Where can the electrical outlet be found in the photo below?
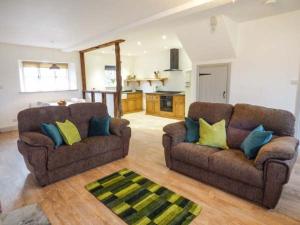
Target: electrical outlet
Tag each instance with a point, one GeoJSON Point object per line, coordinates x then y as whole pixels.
{"type": "Point", "coordinates": [294, 82]}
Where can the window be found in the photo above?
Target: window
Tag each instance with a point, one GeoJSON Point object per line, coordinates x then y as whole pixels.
{"type": "Point", "coordinates": [110, 75]}
{"type": "Point", "coordinates": [39, 77]}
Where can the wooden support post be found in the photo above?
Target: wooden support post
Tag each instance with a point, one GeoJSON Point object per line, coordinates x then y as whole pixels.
{"type": "Point", "coordinates": [104, 98]}
{"type": "Point", "coordinates": [83, 77]}
{"type": "Point", "coordinates": [118, 103]}
{"type": "Point", "coordinates": [93, 96]}
{"type": "Point", "coordinates": [117, 95]}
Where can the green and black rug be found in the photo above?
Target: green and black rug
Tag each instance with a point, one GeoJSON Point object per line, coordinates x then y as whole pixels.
{"type": "Point", "coordinates": [138, 200]}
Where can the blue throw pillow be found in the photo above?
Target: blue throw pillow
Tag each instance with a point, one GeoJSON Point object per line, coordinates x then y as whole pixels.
{"type": "Point", "coordinates": [52, 132]}
{"type": "Point", "coordinates": [192, 130]}
{"type": "Point", "coordinates": [99, 126]}
{"type": "Point", "coordinates": [255, 140]}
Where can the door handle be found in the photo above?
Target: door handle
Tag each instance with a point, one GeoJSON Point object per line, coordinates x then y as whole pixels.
{"type": "Point", "coordinates": [224, 94]}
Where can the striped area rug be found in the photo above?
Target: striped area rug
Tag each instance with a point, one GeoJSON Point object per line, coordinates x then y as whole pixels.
{"type": "Point", "coordinates": [139, 201]}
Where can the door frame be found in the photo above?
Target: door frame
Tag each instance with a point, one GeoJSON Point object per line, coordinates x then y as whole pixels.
{"type": "Point", "coordinates": [211, 65]}
{"type": "Point", "coordinates": [297, 108]}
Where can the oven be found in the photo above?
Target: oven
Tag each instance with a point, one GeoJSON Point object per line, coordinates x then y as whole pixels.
{"type": "Point", "coordinates": [166, 103]}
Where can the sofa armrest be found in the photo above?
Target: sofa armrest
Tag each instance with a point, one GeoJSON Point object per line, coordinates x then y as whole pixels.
{"type": "Point", "coordinates": [36, 139]}
{"type": "Point", "coordinates": [176, 131]}
{"type": "Point", "coordinates": [174, 134]}
{"type": "Point", "coordinates": [276, 174]}
{"type": "Point", "coordinates": [281, 148]}
{"type": "Point", "coordinates": [36, 158]}
{"type": "Point", "coordinates": [117, 125]}
{"type": "Point", "coordinates": [125, 136]}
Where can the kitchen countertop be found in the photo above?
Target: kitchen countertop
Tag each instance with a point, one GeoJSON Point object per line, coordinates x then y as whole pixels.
{"type": "Point", "coordinates": [168, 93]}
{"type": "Point", "coordinates": [132, 92]}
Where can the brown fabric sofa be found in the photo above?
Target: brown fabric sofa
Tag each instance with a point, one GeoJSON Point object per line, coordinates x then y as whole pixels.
{"type": "Point", "coordinates": [260, 180]}
{"type": "Point", "coordinates": [48, 164]}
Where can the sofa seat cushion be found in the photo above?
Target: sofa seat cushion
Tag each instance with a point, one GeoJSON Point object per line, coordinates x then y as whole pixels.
{"type": "Point", "coordinates": [67, 154]}
{"type": "Point", "coordinates": [101, 144]}
{"type": "Point", "coordinates": [194, 154]}
{"type": "Point", "coordinates": [233, 164]}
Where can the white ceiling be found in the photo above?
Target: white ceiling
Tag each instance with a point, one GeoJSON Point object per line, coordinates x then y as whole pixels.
{"type": "Point", "coordinates": [78, 24]}
{"type": "Point", "coordinates": [145, 42]}
{"type": "Point", "coordinates": [69, 22]}
{"type": "Point", "coordinates": [150, 35]}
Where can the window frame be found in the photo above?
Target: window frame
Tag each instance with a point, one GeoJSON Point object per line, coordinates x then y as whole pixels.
{"type": "Point", "coordinates": [22, 88]}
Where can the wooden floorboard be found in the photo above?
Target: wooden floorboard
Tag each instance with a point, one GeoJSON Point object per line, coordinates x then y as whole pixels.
{"type": "Point", "coordinates": [67, 202]}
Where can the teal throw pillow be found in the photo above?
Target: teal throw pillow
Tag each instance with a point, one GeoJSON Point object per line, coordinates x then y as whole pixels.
{"type": "Point", "coordinates": [192, 130]}
{"type": "Point", "coordinates": [255, 140]}
{"type": "Point", "coordinates": [99, 126]}
{"type": "Point", "coordinates": [52, 132]}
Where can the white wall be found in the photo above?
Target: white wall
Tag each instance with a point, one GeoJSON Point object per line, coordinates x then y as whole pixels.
{"type": "Point", "coordinates": [202, 42]}
{"type": "Point", "coordinates": [266, 67]}
{"type": "Point", "coordinates": [145, 65]}
{"type": "Point", "coordinates": [95, 63]}
{"type": "Point", "coordinates": [95, 76]}
{"type": "Point", "coordinates": [268, 61]}
{"type": "Point", "coordinates": [11, 100]}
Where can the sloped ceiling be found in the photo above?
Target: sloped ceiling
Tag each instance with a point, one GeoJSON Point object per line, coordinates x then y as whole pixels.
{"type": "Point", "coordinates": [203, 43]}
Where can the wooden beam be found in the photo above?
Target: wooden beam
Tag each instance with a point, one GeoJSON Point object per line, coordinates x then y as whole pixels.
{"type": "Point", "coordinates": [83, 77]}
{"type": "Point", "coordinates": [93, 97]}
{"type": "Point", "coordinates": [104, 98]}
{"type": "Point", "coordinates": [103, 45]}
{"type": "Point", "coordinates": [115, 105]}
{"type": "Point", "coordinates": [118, 104]}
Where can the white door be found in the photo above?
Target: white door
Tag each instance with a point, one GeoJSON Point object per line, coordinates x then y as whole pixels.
{"type": "Point", "coordinates": [212, 83]}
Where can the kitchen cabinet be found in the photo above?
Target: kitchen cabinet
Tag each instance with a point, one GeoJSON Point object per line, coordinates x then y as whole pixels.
{"type": "Point", "coordinates": [179, 106]}
{"type": "Point", "coordinates": [153, 106]}
{"type": "Point", "coordinates": [124, 106]}
{"type": "Point", "coordinates": [133, 103]}
{"type": "Point", "coordinates": [139, 104]}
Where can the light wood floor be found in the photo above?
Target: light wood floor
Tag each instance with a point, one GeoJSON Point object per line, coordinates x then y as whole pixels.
{"type": "Point", "coordinates": [67, 202]}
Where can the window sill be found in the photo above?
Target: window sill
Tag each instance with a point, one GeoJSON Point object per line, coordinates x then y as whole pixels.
{"type": "Point", "coordinates": [38, 92]}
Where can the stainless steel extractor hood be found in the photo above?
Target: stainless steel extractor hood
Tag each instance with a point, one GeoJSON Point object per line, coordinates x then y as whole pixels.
{"type": "Point", "coordinates": [174, 60]}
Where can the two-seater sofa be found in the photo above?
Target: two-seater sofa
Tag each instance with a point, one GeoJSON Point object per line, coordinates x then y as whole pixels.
{"type": "Point", "coordinates": [260, 180]}
{"type": "Point", "coordinates": [48, 164]}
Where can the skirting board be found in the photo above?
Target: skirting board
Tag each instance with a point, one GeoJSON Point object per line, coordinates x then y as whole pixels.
{"type": "Point", "coordinates": [7, 129]}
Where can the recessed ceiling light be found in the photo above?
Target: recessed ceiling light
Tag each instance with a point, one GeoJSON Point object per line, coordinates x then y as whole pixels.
{"type": "Point", "coordinates": [165, 47]}
{"type": "Point", "coordinates": [270, 2]}
{"type": "Point", "coordinates": [129, 54]}
{"type": "Point", "coordinates": [164, 37]}
{"type": "Point", "coordinates": [139, 43]}
{"type": "Point", "coordinates": [145, 52]}
{"type": "Point", "coordinates": [102, 52]}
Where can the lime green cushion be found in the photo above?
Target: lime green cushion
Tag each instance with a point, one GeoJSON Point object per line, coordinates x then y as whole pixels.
{"type": "Point", "coordinates": [69, 132]}
{"type": "Point", "coordinates": [213, 135]}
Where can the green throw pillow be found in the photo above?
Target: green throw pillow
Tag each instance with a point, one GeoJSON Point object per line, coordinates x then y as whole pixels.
{"type": "Point", "coordinates": [69, 132]}
{"type": "Point", "coordinates": [213, 135]}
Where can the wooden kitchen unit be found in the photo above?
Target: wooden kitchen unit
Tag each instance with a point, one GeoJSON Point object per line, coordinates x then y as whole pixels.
{"type": "Point", "coordinates": [133, 103]}
{"type": "Point", "coordinates": [153, 106]}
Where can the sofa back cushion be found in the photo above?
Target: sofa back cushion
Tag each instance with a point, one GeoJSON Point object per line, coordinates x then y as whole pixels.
{"type": "Point", "coordinates": [31, 119]}
{"type": "Point", "coordinates": [246, 117]}
{"type": "Point", "coordinates": [81, 113]}
{"type": "Point", "coordinates": [210, 112]}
